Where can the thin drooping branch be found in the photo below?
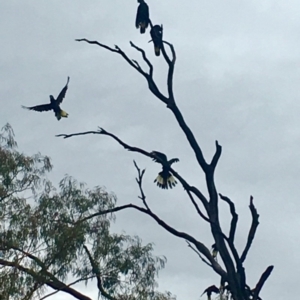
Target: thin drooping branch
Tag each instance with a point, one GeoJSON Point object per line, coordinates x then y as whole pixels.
{"type": "Point", "coordinates": [234, 215]}
{"type": "Point", "coordinates": [199, 254]}
{"type": "Point", "coordinates": [56, 285]}
{"type": "Point", "coordinates": [96, 271]}
{"type": "Point", "coordinates": [252, 230]}
{"type": "Point", "coordinates": [200, 213]}
{"type": "Point", "coordinates": [262, 281]}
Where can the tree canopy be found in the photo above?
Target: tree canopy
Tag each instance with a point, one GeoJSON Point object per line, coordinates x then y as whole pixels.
{"type": "Point", "coordinates": [48, 239]}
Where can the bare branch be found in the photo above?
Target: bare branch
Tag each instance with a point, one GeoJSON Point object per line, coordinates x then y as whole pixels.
{"type": "Point", "coordinates": [190, 137]}
{"type": "Point", "coordinates": [152, 86]}
{"type": "Point", "coordinates": [137, 64]}
{"type": "Point", "coordinates": [171, 64]}
{"type": "Point", "coordinates": [139, 181]}
{"type": "Point", "coordinates": [97, 43]}
{"type": "Point", "coordinates": [197, 207]}
{"type": "Point", "coordinates": [116, 50]}
{"type": "Point", "coordinates": [230, 240]}
{"type": "Point", "coordinates": [66, 136]}
{"type": "Point", "coordinates": [200, 246]}
{"type": "Point", "coordinates": [216, 157]}
{"type": "Point", "coordinates": [165, 55]}
{"type": "Point", "coordinates": [172, 50]}
{"type": "Point", "coordinates": [144, 57]}
{"type": "Point", "coordinates": [199, 254]}
{"type": "Point", "coordinates": [262, 281]}
{"type": "Point", "coordinates": [252, 230]}
{"type": "Point", "coordinates": [234, 215]}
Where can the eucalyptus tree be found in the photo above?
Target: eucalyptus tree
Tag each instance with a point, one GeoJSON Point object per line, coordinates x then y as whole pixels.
{"type": "Point", "coordinates": [49, 243]}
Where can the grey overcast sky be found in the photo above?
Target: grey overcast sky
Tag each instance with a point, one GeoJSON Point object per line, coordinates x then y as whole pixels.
{"type": "Point", "coordinates": [236, 81]}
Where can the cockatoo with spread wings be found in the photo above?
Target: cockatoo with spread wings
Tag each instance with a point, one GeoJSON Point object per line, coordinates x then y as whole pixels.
{"type": "Point", "coordinates": [54, 104]}
{"type": "Point", "coordinates": [164, 179]}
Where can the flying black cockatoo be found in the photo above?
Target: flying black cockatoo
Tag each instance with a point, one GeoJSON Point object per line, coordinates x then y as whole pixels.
{"type": "Point", "coordinates": [164, 179]}
{"type": "Point", "coordinates": [211, 289]}
{"type": "Point", "coordinates": [156, 33]}
{"type": "Point", "coordinates": [142, 16]}
{"type": "Point", "coordinates": [54, 104]}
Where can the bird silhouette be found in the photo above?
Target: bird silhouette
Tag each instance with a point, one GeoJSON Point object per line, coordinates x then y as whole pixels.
{"type": "Point", "coordinates": [142, 16]}
{"type": "Point", "coordinates": [211, 289]}
{"type": "Point", "coordinates": [164, 179]}
{"type": "Point", "coordinates": [156, 33]}
{"type": "Point", "coordinates": [54, 104]}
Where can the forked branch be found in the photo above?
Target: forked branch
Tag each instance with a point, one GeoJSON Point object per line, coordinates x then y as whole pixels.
{"type": "Point", "coordinates": [139, 181]}
{"type": "Point", "coordinates": [148, 76]}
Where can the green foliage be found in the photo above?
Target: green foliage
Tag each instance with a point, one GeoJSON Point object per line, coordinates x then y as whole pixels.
{"type": "Point", "coordinates": [47, 237]}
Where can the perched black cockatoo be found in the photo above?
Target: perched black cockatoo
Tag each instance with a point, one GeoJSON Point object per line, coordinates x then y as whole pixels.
{"type": "Point", "coordinates": [164, 179]}
{"type": "Point", "coordinates": [214, 251]}
{"type": "Point", "coordinates": [142, 16]}
{"type": "Point", "coordinates": [156, 33]}
{"type": "Point", "coordinates": [54, 104]}
{"type": "Point", "coordinates": [211, 289]}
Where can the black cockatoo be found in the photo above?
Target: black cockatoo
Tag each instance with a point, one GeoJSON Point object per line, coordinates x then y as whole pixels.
{"type": "Point", "coordinates": [54, 104]}
{"type": "Point", "coordinates": [142, 16]}
{"type": "Point", "coordinates": [156, 33]}
{"type": "Point", "coordinates": [211, 289]}
{"type": "Point", "coordinates": [164, 179]}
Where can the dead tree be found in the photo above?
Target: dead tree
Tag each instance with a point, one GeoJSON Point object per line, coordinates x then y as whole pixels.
{"type": "Point", "coordinates": [230, 266]}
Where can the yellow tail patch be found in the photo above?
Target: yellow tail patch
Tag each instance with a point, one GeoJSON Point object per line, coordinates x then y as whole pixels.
{"type": "Point", "coordinates": [157, 51]}
{"type": "Point", "coordinates": [64, 114]}
{"type": "Point", "coordinates": [165, 183]}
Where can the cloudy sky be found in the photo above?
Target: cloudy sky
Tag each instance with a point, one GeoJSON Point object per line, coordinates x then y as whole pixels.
{"type": "Point", "coordinates": [236, 81]}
